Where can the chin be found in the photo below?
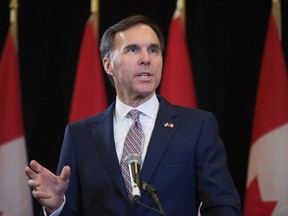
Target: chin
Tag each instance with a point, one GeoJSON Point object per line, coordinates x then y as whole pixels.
{"type": "Point", "coordinates": [146, 94]}
{"type": "Point", "coordinates": [146, 91]}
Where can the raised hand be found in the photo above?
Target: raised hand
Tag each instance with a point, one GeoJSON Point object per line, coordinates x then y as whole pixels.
{"type": "Point", "coordinates": [47, 188]}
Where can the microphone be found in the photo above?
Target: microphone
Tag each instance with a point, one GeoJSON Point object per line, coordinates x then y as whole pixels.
{"type": "Point", "coordinates": [133, 161]}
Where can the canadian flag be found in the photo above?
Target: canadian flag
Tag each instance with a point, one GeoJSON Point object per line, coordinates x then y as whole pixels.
{"type": "Point", "coordinates": [267, 181]}
{"type": "Point", "coordinates": [177, 84]}
{"type": "Point", "coordinates": [89, 96]}
{"type": "Point", "coordinates": [15, 195]}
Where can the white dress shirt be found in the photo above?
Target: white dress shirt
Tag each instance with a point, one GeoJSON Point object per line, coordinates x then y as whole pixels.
{"type": "Point", "coordinates": [122, 123]}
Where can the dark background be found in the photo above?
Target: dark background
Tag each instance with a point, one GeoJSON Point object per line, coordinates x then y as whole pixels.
{"type": "Point", "coordinates": [225, 41]}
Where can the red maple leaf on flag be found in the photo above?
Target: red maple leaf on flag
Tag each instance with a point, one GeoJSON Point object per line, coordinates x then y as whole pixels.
{"type": "Point", "coordinates": [255, 204]}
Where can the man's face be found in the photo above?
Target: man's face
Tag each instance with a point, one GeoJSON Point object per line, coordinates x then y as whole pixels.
{"type": "Point", "coordinates": [135, 64]}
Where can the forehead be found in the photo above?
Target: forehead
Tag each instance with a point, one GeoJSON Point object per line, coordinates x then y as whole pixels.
{"type": "Point", "coordinates": [139, 34]}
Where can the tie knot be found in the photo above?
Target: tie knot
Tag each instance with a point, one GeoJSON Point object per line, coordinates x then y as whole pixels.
{"type": "Point", "coordinates": [134, 113]}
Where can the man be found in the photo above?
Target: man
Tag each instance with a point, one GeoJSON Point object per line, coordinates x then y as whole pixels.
{"type": "Point", "coordinates": [183, 157]}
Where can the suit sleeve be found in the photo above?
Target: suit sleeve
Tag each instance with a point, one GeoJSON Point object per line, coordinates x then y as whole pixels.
{"type": "Point", "coordinates": [215, 186]}
{"type": "Point", "coordinates": [68, 157]}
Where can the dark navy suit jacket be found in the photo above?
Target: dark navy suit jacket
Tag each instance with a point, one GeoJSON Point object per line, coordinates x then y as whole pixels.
{"type": "Point", "coordinates": [184, 164]}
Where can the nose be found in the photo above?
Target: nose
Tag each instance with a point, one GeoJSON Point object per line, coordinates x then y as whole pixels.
{"type": "Point", "coordinates": [144, 59]}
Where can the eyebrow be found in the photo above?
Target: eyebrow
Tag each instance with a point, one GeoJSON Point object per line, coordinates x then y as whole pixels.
{"type": "Point", "coordinates": [131, 46]}
{"type": "Point", "coordinates": [153, 45]}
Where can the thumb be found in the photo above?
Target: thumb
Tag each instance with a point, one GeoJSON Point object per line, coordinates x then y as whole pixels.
{"type": "Point", "coordinates": [65, 173]}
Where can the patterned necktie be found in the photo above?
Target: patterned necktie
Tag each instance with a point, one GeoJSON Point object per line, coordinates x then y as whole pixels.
{"type": "Point", "coordinates": [132, 145]}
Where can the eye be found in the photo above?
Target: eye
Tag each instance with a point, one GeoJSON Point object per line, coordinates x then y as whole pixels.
{"type": "Point", "coordinates": [131, 49]}
{"type": "Point", "coordinates": [154, 49]}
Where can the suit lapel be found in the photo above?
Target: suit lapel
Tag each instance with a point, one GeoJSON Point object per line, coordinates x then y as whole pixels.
{"type": "Point", "coordinates": [161, 136]}
{"type": "Point", "coordinates": [104, 137]}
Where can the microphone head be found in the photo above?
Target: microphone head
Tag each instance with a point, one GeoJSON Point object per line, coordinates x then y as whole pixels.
{"type": "Point", "coordinates": [133, 158]}
{"type": "Point", "coordinates": [133, 161]}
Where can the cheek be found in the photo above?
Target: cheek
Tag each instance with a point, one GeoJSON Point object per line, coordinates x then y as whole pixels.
{"type": "Point", "coordinates": [121, 72]}
{"type": "Point", "coordinates": [125, 70]}
{"type": "Point", "coordinates": [121, 64]}
{"type": "Point", "coordinates": [158, 68]}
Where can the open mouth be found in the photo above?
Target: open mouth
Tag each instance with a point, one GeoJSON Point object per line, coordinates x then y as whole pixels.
{"type": "Point", "coordinates": [144, 75]}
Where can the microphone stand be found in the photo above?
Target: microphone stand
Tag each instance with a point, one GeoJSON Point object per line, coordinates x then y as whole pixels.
{"type": "Point", "coordinates": [133, 162]}
{"type": "Point", "coordinates": [151, 191]}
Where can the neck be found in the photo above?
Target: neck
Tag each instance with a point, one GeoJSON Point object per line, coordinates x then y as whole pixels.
{"type": "Point", "coordinates": [135, 101]}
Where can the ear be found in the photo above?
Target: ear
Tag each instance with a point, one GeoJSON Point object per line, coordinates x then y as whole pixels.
{"type": "Point", "coordinates": [107, 65]}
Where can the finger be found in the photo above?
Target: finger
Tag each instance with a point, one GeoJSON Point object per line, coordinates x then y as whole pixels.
{"type": "Point", "coordinates": [36, 167]}
{"type": "Point", "coordinates": [30, 173]}
{"type": "Point", "coordinates": [40, 194]}
{"type": "Point", "coordinates": [34, 184]}
{"type": "Point", "coordinates": [65, 173]}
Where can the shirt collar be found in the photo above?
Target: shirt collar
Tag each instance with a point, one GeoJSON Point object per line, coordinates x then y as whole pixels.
{"type": "Point", "coordinates": [149, 108]}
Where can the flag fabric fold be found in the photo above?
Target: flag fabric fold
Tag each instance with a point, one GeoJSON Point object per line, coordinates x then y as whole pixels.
{"type": "Point", "coordinates": [89, 95]}
{"type": "Point", "coordinates": [15, 195]}
{"type": "Point", "coordinates": [177, 84]}
{"type": "Point", "coordinates": [266, 190]}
